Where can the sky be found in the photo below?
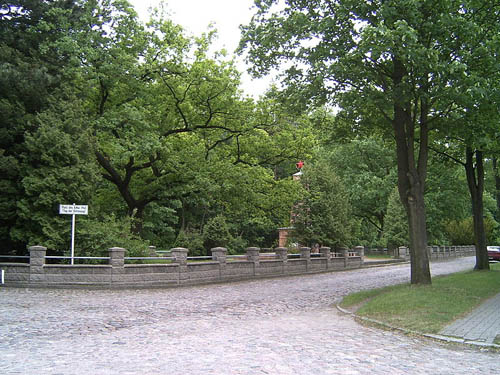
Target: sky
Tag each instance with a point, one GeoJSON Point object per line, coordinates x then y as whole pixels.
{"type": "Point", "coordinates": [227, 15]}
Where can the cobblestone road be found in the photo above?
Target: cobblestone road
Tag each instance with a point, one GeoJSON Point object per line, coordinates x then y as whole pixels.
{"type": "Point", "coordinates": [272, 326]}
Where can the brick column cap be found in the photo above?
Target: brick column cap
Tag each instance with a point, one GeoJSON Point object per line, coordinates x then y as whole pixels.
{"type": "Point", "coordinates": [116, 249]}
{"type": "Point", "coordinates": [219, 254]}
{"type": "Point", "coordinates": [179, 250]}
{"type": "Point", "coordinates": [37, 248]}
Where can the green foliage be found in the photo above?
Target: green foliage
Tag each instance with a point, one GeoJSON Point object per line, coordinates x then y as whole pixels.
{"type": "Point", "coordinates": [58, 169]}
{"type": "Point", "coordinates": [461, 232]}
{"type": "Point", "coordinates": [323, 215]}
{"type": "Point", "coordinates": [95, 237]}
{"type": "Point", "coordinates": [151, 130]}
{"type": "Point", "coordinates": [34, 63]}
{"type": "Point", "coordinates": [237, 245]}
{"type": "Point", "coordinates": [367, 168]}
{"type": "Point", "coordinates": [192, 240]}
{"type": "Point", "coordinates": [391, 68]}
{"type": "Point", "coordinates": [446, 197]}
{"type": "Point", "coordinates": [396, 223]}
{"type": "Point", "coordinates": [216, 233]}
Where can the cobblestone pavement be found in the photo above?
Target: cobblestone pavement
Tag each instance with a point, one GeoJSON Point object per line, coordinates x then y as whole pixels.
{"type": "Point", "coordinates": [271, 326]}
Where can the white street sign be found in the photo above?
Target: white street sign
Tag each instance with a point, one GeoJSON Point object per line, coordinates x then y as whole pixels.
{"type": "Point", "coordinates": [73, 209]}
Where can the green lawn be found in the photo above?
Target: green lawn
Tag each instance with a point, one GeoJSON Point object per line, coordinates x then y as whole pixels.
{"type": "Point", "coordinates": [427, 308]}
{"type": "Point", "coordinates": [378, 256]}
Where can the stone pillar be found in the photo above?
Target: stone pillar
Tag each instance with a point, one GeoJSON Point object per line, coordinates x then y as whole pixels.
{"type": "Point", "coordinates": [327, 254]}
{"type": "Point", "coordinates": [305, 253]}
{"type": "Point", "coordinates": [117, 262]}
{"type": "Point", "coordinates": [116, 257]}
{"type": "Point", "coordinates": [219, 254]}
{"type": "Point", "coordinates": [344, 253]}
{"type": "Point", "coordinates": [403, 252]}
{"type": "Point", "coordinates": [281, 253]}
{"type": "Point", "coordinates": [360, 250]}
{"type": "Point", "coordinates": [180, 257]}
{"type": "Point", "coordinates": [37, 261]}
{"type": "Point", "coordinates": [253, 256]}
{"type": "Point", "coordinates": [152, 251]}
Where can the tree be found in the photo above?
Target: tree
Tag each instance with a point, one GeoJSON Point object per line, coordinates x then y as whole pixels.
{"type": "Point", "coordinates": [396, 230]}
{"type": "Point", "coordinates": [323, 215]}
{"type": "Point", "coordinates": [366, 167]}
{"type": "Point", "coordinates": [35, 60]}
{"type": "Point", "coordinates": [57, 169]}
{"type": "Point", "coordinates": [392, 55]}
{"type": "Point", "coordinates": [496, 175]}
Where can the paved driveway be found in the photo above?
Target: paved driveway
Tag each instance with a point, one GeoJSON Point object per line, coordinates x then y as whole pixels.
{"type": "Point", "coordinates": [272, 326]}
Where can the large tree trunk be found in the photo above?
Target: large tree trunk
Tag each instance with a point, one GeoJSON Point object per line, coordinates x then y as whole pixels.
{"type": "Point", "coordinates": [135, 206]}
{"type": "Point", "coordinates": [417, 226]}
{"type": "Point", "coordinates": [476, 189]}
{"type": "Point", "coordinates": [137, 215]}
{"type": "Point", "coordinates": [497, 187]}
{"type": "Point", "coordinates": [412, 173]}
{"type": "Point", "coordinates": [411, 184]}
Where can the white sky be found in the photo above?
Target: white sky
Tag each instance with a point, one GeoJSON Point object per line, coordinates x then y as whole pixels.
{"type": "Point", "coordinates": [227, 15]}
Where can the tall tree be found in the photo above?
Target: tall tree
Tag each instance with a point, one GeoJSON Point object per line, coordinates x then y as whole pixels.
{"type": "Point", "coordinates": [35, 60]}
{"type": "Point", "coordinates": [367, 168]}
{"type": "Point", "coordinates": [323, 214]}
{"type": "Point", "coordinates": [391, 54]}
{"type": "Point", "coordinates": [496, 174]}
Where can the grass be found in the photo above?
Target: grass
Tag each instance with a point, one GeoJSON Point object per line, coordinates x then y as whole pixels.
{"type": "Point", "coordinates": [427, 308]}
{"type": "Point", "coordinates": [378, 256]}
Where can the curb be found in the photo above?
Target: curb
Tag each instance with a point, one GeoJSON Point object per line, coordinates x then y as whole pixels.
{"type": "Point", "coordinates": [384, 263]}
{"type": "Point", "coordinates": [447, 339]}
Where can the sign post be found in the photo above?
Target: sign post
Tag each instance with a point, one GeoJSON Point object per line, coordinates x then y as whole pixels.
{"type": "Point", "coordinates": [73, 209]}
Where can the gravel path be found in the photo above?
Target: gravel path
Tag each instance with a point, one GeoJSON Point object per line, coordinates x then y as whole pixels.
{"type": "Point", "coordinates": [271, 326]}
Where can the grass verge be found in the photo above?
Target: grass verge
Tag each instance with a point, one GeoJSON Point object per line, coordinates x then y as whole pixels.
{"type": "Point", "coordinates": [427, 309]}
{"type": "Point", "coordinates": [378, 256]}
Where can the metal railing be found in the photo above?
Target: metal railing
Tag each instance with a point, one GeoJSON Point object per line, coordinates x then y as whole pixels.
{"type": "Point", "coordinates": [195, 258]}
{"type": "Point", "coordinates": [26, 257]}
{"type": "Point", "coordinates": [85, 260]}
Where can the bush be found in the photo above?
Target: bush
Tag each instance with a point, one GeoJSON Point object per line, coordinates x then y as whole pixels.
{"type": "Point", "coordinates": [236, 245]}
{"type": "Point", "coordinates": [216, 233]}
{"type": "Point", "coordinates": [191, 240]}
{"type": "Point", "coordinates": [461, 232]}
{"type": "Point", "coordinates": [95, 237]}
{"type": "Point", "coordinates": [396, 223]}
{"type": "Point", "coordinates": [323, 216]}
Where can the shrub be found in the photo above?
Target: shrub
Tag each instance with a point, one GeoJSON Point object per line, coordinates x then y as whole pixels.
{"type": "Point", "coordinates": [216, 233]}
{"type": "Point", "coordinates": [191, 240]}
{"type": "Point", "coordinates": [461, 232]}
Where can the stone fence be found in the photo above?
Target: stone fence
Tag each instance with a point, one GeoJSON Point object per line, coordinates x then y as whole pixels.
{"type": "Point", "coordinates": [440, 252]}
{"type": "Point", "coordinates": [177, 269]}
